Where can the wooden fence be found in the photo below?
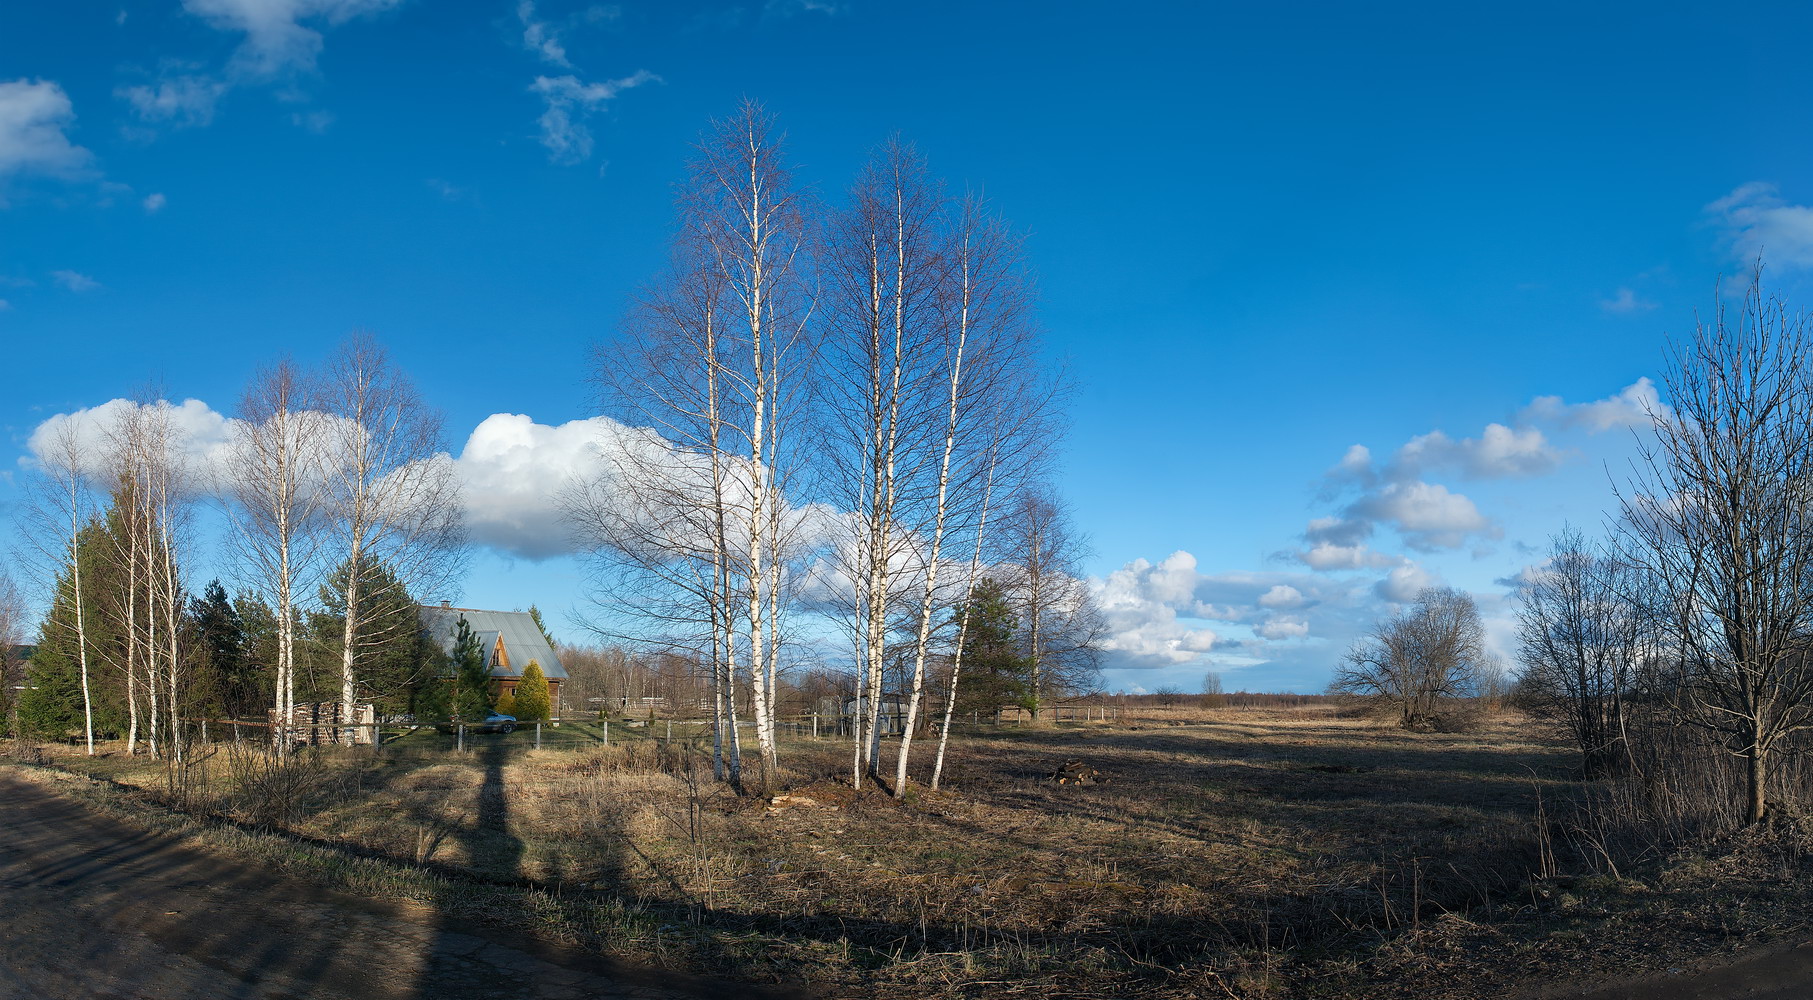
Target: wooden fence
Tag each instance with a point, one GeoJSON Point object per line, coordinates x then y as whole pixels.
{"type": "Point", "coordinates": [328, 728]}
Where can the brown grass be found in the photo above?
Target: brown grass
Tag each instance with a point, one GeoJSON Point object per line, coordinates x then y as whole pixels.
{"type": "Point", "coordinates": [1230, 852]}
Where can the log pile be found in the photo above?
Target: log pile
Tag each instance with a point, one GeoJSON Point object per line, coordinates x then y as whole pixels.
{"type": "Point", "coordinates": [1075, 772]}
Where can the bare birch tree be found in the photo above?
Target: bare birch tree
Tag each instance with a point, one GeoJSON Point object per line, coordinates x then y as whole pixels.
{"type": "Point", "coordinates": [712, 362]}
{"type": "Point", "coordinates": [392, 497]}
{"type": "Point", "coordinates": [273, 481]}
{"type": "Point", "coordinates": [60, 506]}
{"type": "Point", "coordinates": [1718, 512]}
{"type": "Point", "coordinates": [989, 366]}
{"type": "Point", "coordinates": [884, 269]}
{"type": "Point", "coordinates": [1063, 627]}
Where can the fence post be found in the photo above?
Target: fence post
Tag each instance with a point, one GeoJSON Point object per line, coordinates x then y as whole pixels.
{"type": "Point", "coordinates": [670, 732]}
{"type": "Point", "coordinates": [607, 732]}
{"type": "Point", "coordinates": [460, 735]}
{"type": "Point", "coordinates": [538, 736]}
{"type": "Point", "coordinates": [815, 725]}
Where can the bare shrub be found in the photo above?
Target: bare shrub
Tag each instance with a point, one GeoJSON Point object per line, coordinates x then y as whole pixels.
{"type": "Point", "coordinates": [274, 789]}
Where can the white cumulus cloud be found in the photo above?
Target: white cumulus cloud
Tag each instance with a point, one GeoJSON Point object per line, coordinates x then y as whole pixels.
{"type": "Point", "coordinates": [35, 118]}
{"type": "Point", "coordinates": [1630, 406]}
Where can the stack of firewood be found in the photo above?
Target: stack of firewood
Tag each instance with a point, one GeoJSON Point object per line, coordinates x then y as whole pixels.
{"type": "Point", "coordinates": [1075, 772]}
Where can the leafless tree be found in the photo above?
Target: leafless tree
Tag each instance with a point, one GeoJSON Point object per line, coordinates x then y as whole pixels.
{"type": "Point", "coordinates": [1718, 512]}
{"type": "Point", "coordinates": [60, 505]}
{"type": "Point", "coordinates": [392, 497]}
{"type": "Point", "coordinates": [713, 363]}
{"type": "Point", "coordinates": [12, 631]}
{"type": "Point", "coordinates": [1415, 661]}
{"type": "Point", "coordinates": [152, 492]}
{"type": "Point", "coordinates": [273, 481]}
{"type": "Point", "coordinates": [1584, 631]}
{"type": "Point", "coordinates": [1064, 628]}
{"type": "Point", "coordinates": [885, 273]}
{"type": "Point", "coordinates": [989, 367]}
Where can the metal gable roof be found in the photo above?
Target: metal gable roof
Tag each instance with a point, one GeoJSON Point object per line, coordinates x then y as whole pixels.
{"type": "Point", "coordinates": [523, 641]}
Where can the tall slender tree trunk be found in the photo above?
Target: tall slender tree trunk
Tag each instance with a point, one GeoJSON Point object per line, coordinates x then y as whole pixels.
{"type": "Point", "coordinates": [75, 565]}
{"type": "Point", "coordinates": [969, 594]}
{"type": "Point", "coordinates": [924, 638]}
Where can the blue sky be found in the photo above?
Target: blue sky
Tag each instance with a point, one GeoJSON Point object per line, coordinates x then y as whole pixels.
{"type": "Point", "coordinates": [1265, 234]}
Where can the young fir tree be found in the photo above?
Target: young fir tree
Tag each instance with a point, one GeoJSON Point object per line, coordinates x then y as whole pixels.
{"type": "Point", "coordinates": [225, 683]}
{"type": "Point", "coordinates": [535, 613]}
{"type": "Point", "coordinates": [995, 668]}
{"type": "Point", "coordinates": [532, 703]}
{"type": "Point", "coordinates": [470, 697]}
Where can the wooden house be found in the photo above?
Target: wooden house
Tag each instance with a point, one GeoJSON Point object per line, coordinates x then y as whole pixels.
{"type": "Point", "coordinates": [510, 639]}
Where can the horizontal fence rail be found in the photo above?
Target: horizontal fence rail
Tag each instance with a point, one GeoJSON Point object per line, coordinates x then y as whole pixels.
{"type": "Point", "coordinates": [586, 732]}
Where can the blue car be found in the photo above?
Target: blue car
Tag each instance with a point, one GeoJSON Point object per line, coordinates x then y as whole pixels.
{"type": "Point", "coordinates": [497, 722]}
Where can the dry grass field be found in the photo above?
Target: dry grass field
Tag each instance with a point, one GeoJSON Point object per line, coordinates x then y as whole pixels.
{"type": "Point", "coordinates": [1242, 853]}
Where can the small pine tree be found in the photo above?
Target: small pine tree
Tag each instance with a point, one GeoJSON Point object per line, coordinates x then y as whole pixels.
{"type": "Point", "coordinates": [470, 697]}
{"type": "Point", "coordinates": [535, 613]}
{"type": "Point", "coordinates": [995, 672]}
{"type": "Point", "coordinates": [532, 694]}
{"type": "Point", "coordinates": [506, 704]}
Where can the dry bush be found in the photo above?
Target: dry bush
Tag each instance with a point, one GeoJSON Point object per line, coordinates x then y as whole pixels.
{"type": "Point", "coordinates": [275, 790]}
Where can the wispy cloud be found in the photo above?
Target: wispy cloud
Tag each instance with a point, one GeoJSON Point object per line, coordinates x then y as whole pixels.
{"type": "Point", "coordinates": [570, 102]}
{"type": "Point", "coordinates": [543, 37]}
{"type": "Point", "coordinates": [312, 121]}
{"type": "Point", "coordinates": [1757, 222]}
{"type": "Point", "coordinates": [154, 203]}
{"type": "Point", "coordinates": [181, 99]}
{"type": "Point", "coordinates": [1626, 302]}
{"type": "Point", "coordinates": [789, 8]}
{"type": "Point", "coordinates": [1402, 493]}
{"type": "Point", "coordinates": [75, 281]}
{"type": "Point", "coordinates": [279, 40]}
{"type": "Point", "coordinates": [1631, 406]}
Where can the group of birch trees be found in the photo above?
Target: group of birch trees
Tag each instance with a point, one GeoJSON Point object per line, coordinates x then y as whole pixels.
{"type": "Point", "coordinates": [327, 481]}
{"type": "Point", "coordinates": [836, 406]}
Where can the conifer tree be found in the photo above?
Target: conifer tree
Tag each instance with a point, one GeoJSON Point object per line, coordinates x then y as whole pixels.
{"type": "Point", "coordinates": [532, 703]}
{"type": "Point", "coordinates": [471, 675]}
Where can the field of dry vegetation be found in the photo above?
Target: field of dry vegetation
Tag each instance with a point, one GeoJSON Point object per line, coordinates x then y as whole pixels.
{"type": "Point", "coordinates": [1230, 852]}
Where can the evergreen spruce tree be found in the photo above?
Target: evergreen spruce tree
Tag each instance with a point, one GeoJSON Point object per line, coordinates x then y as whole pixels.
{"type": "Point", "coordinates": [535, 613]}
{"type": "Point", "coordinates": [471, 675]}
{"type": "Point", "coordinates": [396, 667]}
{"type": "Point", "coordinates": [225, 683]}
{"type": "Point", "coordinates": [996, 672]}
{"type": "Point", "coordinates": [532, 703]}
{"type": "Point", "coordinates": [50, 707]}
{"type": "Point", "coordinates": [51, 704]}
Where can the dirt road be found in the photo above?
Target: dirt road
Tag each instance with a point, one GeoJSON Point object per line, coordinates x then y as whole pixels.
{"type": "Point", "coordinates": [1781, 973]}
{"type": "Point", "coordinates": [92, 908]}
